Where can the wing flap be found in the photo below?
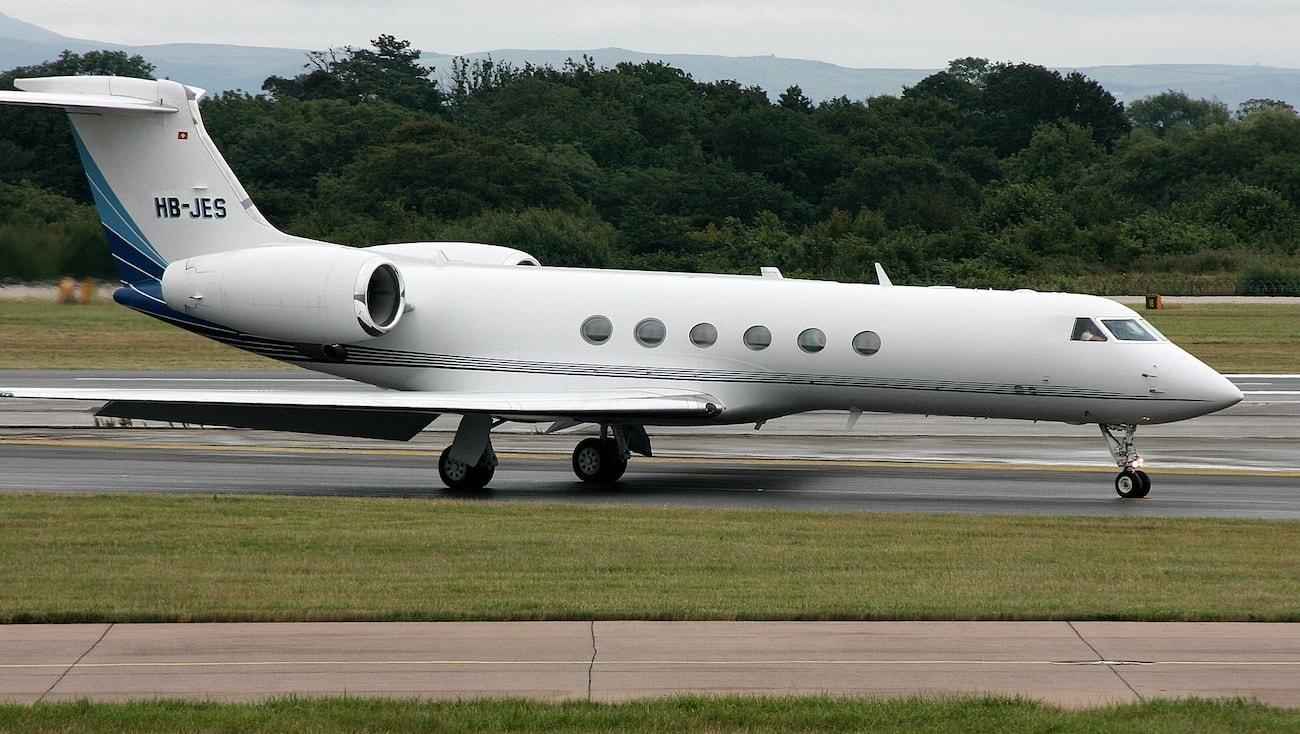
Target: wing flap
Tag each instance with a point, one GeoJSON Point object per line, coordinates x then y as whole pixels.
{"type": "Point", "coordinates": [391, 425]}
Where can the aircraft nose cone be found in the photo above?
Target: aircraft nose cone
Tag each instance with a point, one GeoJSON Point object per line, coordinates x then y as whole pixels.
{"type": "Point", "coordinates": [1224, 394]}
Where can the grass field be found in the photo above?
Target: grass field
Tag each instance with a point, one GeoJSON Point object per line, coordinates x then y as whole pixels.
{"type": "Point", "coordinates": [668, 715]}
{"type": "Point", "coordinates": [103, 335]}
{"type": "Point", "coordinates": [1235, 337]}
{"type": "Point", "coordinates": [193, 558]}
{"type": "Point", "coordinates": [41, 335]}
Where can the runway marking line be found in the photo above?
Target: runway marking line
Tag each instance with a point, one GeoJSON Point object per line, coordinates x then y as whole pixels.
{"type": "Point", "coordinates": [690, 663]}
{"type": "Point", "coordinates": [727, 461]}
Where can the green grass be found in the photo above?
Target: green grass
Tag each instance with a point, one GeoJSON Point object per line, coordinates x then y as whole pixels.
{"type": "Point", "coordinates": [41, 335]}
{"type": "Point", "coordinates": [730, 714]}
{"type": "Point", "coordinates": [1235, 337]}
{"type": "Point", "coordinates": [192, 558]}
{"type": "Point", "coordinates": [103, 335]}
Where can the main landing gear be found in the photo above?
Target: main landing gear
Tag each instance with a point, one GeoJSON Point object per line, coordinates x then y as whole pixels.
{"type": "Point", "coordinates": [603, 460]}
{"type": "Point", "coordinates": [1131, 482]}
{"type": "Point", "coordinates": [464, 477]}
{"type": "Point", "coordinates": [599, 461]}
{"type": "Point", "coordinates": [469, 462]}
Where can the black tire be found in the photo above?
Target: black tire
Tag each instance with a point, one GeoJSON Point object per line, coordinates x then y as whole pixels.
{"type": "Point", "coordinates": [597, 460]}
{"type": "Point", "coordinates": [615, 463]}
{"type": "Point", "coordinates": [462, 477]}
{"type": "Point", "coordinates": [1146, 483]}
{"type": "Point", "coordinates": [1129, 485]}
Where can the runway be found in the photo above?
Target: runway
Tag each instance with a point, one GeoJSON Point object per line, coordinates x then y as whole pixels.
{"type": "Point", "coordinates": [1064, 663]}
{"type": "Point", "coordinates": [1243, 462]}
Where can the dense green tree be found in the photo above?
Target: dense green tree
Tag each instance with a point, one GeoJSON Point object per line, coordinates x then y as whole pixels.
{"type": "Point", "coordinates": [1263, 104]}
{"type": "Point", "coordinates": [433, 168]}
{"type": "Point", "coordinates": [1171, 110]}
{"type": "Point", "coordinates": [44, 235]}
{"type": "Point", "coordinates": [390, 72]}
{"type": "Point", "coordinates": [987, 174]}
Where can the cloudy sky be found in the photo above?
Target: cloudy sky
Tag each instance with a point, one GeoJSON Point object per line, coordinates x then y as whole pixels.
{"type": "Point", "coordinates": [897, 33]}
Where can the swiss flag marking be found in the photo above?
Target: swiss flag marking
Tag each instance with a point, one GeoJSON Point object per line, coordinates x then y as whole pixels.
{"type": "Point", "coordinates": [182, 135]}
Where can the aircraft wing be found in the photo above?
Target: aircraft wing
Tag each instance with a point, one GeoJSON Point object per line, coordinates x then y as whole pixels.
{"type": "Point", "coordinates": [390, 414]}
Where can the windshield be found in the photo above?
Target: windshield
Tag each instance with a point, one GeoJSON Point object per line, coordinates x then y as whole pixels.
{"type": "Point", "coordinates": [1128, 330]}
{"type": "Point", "coordinates": [1086, 330]}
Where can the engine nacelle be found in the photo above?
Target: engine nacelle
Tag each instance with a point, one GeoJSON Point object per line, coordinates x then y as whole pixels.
{"type": "Point", "coordinates": [311, 294]}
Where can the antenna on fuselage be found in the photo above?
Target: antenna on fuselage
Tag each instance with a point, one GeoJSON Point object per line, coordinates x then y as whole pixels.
{"type": "Point", "coordinates": [880, 275]}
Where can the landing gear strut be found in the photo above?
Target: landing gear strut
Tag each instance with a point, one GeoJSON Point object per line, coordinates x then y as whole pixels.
{"type": "Point", "coordinates": [603, 460]}
{"type": "Point", "coordinates": [1131, 482]}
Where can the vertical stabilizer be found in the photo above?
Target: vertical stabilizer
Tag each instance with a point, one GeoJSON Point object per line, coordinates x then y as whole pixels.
{"type": "Point", "coordinates": [163, 190]}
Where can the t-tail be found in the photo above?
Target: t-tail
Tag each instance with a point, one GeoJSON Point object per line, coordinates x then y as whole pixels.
{"type": "Point", "coordinates": [163, 191]}
{"type": "Point", "coordinates": [188, 243]}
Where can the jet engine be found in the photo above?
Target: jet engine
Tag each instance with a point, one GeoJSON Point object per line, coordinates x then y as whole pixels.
{"type": "Point", "coordinates": [310, 294]}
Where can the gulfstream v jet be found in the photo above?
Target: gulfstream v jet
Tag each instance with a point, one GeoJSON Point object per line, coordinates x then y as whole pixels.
{"type": "Point", "coordinates": [486, 333]}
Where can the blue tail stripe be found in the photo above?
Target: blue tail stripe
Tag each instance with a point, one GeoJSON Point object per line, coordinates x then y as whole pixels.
{"type": "Point", "coordinates": [114, 215]}
{"type": "Point", "coordinates": [132, 265]}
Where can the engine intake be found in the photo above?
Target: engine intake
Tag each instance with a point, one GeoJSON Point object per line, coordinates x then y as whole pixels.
{"type": "Point", "coordinates": [310, 294]}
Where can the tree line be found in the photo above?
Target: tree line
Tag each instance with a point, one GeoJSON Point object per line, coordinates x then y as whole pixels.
{"type": "Point", "coordinates": [985, 174]}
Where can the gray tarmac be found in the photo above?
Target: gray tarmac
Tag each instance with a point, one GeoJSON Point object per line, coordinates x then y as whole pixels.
{"type": "Point", "coordinates": [1242, 462]}
{"type": "Point", "coordinates": [1070, 664]}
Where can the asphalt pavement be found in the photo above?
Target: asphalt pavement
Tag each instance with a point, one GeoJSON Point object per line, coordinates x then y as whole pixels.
{"type": "Point", "coordinates": [1242, 462]}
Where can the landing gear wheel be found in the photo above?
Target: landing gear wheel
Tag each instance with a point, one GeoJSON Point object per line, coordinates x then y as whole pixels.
{"type": "Point", "coordinates": [1131, 484]}
{"type": "Point", "coordinates": [460, 476]}
{"type": "Point", "coordinates": [598, 460]}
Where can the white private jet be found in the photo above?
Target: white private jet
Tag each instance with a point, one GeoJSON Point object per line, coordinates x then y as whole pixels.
{"type": "Point", "coordinates": [482, 332]}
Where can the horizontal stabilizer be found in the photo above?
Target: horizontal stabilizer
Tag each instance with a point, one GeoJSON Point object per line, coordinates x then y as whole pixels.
{"type": "Point", "coordinates": [85, 102]}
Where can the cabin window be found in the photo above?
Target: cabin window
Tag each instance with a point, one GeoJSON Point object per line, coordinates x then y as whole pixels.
{"type": "Point", "coordinates": [597, 330]}
{"type": "Point", "coordinates": [1128, 330]}
{"type": "Point", "coordinates": [812, 340]}
{"type": "Point", "coordinates": [650, 333]}
{"type": "Point", "coordinates": [866, 343]}
{"type": "Point", "coordinates": [1086, 330]}
{"type": "Point", "coordinates": [704, 335]}
{"type": "Point", "coordinates": [758, 338]}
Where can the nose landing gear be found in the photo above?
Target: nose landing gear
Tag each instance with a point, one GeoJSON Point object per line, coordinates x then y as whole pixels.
{"type": "Point", "coordinates": [1131, 482]}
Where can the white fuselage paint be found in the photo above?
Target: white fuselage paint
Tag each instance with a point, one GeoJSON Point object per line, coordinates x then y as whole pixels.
{"type": "Point", "coordinates": [945, 351]}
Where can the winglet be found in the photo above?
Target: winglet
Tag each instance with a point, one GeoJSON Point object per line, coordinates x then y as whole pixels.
{"type": "Point", "coordinates": [880, 275]}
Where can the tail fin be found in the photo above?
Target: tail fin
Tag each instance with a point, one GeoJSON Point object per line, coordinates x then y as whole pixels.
{"type": "Point", "coordinates": [163, 190]}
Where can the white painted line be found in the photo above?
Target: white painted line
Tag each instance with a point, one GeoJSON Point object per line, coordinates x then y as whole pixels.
{"type": "Point", "coordinates": [1262, 376]}
{"type": "Point", "coordinates": [1270, 392]}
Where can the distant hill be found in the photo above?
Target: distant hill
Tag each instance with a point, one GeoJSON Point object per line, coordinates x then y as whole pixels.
{"type": "Point", "coordinates": [218, 67]}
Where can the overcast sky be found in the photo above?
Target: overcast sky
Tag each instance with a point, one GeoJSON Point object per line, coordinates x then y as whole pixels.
{"type": "Point", "coordinates": [866, 33]}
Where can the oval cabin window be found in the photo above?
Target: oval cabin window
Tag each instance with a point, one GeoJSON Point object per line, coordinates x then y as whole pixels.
{"type": "Point", "coordinates": [704, 335]}
{"type": "Point", "coordinates": [758, 337]}
{"type": "Point", "coordinates": [812, 340]}
{"type": "Point", "coordinates": [597, 330]}
{"type": "Point", "coordinates": [866, 343]}
{"type": "Point", "coordinates": [650, 333]}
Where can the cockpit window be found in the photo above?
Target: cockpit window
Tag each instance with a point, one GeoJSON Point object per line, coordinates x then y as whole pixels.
{"type": "Point", "coordinates": [1147, 325]}
{"type": "Point", "coordinates": [1128, 330]}
{"type": "Point", "coordinates": [1086, 330]}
